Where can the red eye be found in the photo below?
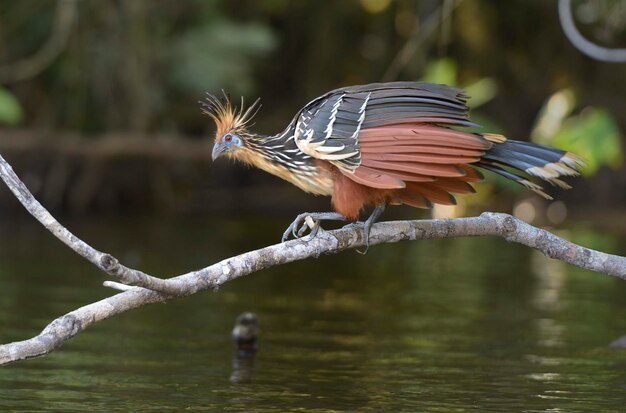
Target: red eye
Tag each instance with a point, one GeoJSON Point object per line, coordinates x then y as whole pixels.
{"type": "Point", "coordinates": [228, 138]}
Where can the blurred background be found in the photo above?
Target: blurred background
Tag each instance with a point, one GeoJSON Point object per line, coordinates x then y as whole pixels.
{"type": "Point", "coordinates": [99, 99]}
{"type": "Point", "coordinates": [100, 116]}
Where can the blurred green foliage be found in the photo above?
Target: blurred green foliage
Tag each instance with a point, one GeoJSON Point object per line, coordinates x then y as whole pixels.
{"type": "Point", "coordinates": [445, 71]}
{"type": "Point", "coordinates": [220, 55]}
{"type": "Point", "coordinates": [10, 108]}
{"type": "Point", "coordinates": [480, 91]}
{"type": "Point", "coordinates": [441, 71]}
{"type": "Point", "coordinates": [593, 133]}
{"type": "Point", "coordinates": [140, 67]}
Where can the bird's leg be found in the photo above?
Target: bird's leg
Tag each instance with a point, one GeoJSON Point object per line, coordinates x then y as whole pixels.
{"type": "Point", "coordinates": [367, 225]}
{"type": "Point", "coordinates": [310, 220]}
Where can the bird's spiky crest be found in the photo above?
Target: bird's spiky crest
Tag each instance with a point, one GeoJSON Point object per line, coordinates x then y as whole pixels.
{"type": "Point", "coordinates": [228, 117]}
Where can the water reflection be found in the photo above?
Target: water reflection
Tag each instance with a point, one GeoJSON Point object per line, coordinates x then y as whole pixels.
{"type": "Point", "coordinates": [245, 336]}
{"type": "Point", "coordinates": [244, 366]}
{"type": "Point", "coordinates": [550, 276]}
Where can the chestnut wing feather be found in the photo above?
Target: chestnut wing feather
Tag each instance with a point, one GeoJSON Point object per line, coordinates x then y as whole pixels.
{"type": "Point", "coordinates": [330, 127]}
{"type": "Point", "coordinates": [421, 153]}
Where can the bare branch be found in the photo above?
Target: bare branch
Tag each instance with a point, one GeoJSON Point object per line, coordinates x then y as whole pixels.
{"type": "Point", "coordinates": [327, 242]}
{"type": "Point", "coordinates": [211, 277]}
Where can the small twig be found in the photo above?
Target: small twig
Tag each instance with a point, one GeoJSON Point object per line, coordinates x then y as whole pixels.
{"type": "Point", "coordinates": [104, 261]}
{"type": "Point", "coordinates": [118, 286]}
{"type": "Point", "coordinates": [420, 33]}
{"type": "Point", "coordinates": [446, 25]}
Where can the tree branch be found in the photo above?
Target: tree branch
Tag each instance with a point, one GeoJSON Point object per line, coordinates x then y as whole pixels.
{"type": "Point", "coordinates": [326, 242]}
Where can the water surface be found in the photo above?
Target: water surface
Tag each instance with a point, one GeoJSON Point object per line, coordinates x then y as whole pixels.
{"type": "Point", "coordinates": [437, 326]}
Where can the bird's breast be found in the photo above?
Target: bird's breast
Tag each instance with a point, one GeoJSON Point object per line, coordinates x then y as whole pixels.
{"type": "Point", "coordinates": [311, 177]}
{"type": "Point", "coordinates": [317, 183]}
{"type": "Point", "coordinates": [307, 173]}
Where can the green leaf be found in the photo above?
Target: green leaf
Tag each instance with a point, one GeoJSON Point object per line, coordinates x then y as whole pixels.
{"type": "Point", "coordinates": [10, 109]}
{"type": "Point", "coordinates": [595, 136]}
{"type": "Point", "coordinates": [592, 134]}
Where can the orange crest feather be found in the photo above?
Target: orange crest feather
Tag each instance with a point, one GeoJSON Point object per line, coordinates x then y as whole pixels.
{"type": "Point", "coordinates": [227, 117]}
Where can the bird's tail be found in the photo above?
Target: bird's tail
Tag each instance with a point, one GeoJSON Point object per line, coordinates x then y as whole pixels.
{"type": "Point", "coordinates": [541, 161]}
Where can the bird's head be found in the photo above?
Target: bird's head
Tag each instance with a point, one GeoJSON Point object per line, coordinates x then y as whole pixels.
{"type": "Point", "coordinates": [228, 144]}
{"type": "Point", "coordinates": [231, 125]}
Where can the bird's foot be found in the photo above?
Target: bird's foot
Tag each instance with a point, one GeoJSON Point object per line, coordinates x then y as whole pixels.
{"type": "Point", "coordinates": [309, 221]}
{"type": "Point", "coordinates": [367, 226]}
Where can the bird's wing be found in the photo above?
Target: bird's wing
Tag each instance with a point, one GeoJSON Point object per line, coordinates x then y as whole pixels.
{"type": "Point", "coordinates": [329, 127]}
{"type": "Point", "coordinates": [394, 136]}
{"type": "Point", "coordinates": [394, 155]}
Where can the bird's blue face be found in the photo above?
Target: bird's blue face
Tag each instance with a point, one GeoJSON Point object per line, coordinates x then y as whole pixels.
{"type": "Point", "coordinates": [226, 144]}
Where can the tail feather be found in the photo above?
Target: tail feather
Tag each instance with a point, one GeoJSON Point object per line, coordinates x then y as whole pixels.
{"type": "Point", "coordinates": [538, 189]}
{"type": "Point", "coordinates": [540, 151]}
{"type": "Point", "coordinates": [541, 161]}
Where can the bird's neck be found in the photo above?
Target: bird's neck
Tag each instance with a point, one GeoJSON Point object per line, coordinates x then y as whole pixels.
{"type": "Point", "coordinates": [280, 156]}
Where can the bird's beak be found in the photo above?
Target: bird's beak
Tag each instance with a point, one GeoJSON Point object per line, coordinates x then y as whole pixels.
{"type": "Point", "coordinates": [218, 150]}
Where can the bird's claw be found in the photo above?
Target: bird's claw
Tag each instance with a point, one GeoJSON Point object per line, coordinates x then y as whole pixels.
{"type": "Point", "coordinates": [367, 227]}
{"type": "Point", "coordinates": [300, 225]}
{"type": "Point", "coordinates": [366, 235]}
{"type": "Point", "coordinates": [309, 221]}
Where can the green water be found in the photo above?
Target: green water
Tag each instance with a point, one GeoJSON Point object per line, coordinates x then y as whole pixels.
{"type": "Point", "coordinates": [456, 325]}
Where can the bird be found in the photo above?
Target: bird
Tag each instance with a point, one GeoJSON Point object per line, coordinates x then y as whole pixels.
{"type": "Point", "coordinates": [379, 144]}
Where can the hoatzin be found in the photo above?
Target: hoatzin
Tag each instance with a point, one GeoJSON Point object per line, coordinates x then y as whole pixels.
{"type": "Point", "coordinates": [382, 143]}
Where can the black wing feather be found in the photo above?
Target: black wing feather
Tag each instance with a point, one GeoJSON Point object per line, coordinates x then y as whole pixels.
{"type": "Point", "coordinates": [327, 127]}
